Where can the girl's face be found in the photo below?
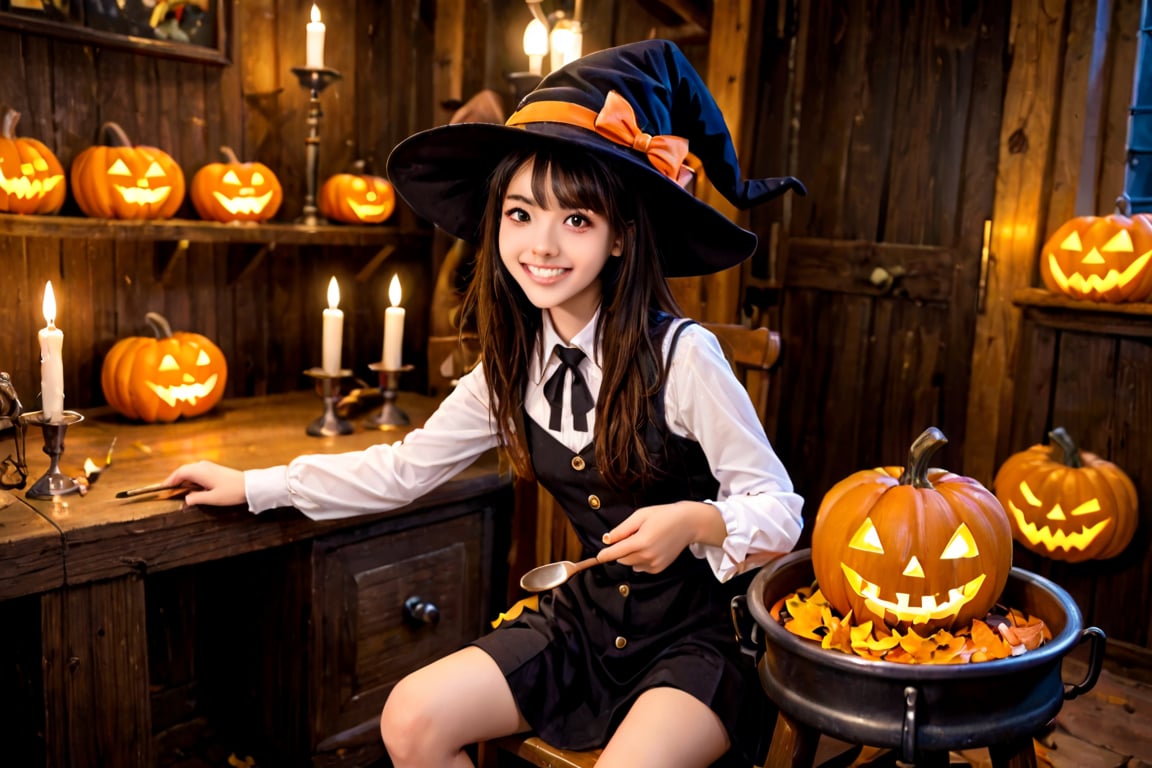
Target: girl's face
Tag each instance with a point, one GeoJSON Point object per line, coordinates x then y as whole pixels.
{"type": "Point", "coordinates": [555, 254]}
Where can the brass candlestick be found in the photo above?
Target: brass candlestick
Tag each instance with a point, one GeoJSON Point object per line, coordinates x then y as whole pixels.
{"type": "Point", "coordinates": [390, 415]}
{"type": "Point", "coordinates": [54, 482]}
{"type": "Point", "coordinates": [328, 387]}
{"type": "Point", "coordinates": [315, 80]}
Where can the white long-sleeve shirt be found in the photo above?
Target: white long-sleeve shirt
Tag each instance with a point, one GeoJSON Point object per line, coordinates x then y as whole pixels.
{"type": "Point", "coordinates": [703, 401]}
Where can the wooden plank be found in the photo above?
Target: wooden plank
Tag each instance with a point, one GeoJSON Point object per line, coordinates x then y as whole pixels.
{"type": "Point", "coordinates": [31, 549]}
{"type": "Point", "coordinates": [1029, 103]}
{"type": "Point", "coordinates": [730, 43]}
{"type": "Point", "coordinates": [96, 675]}
{"type": "Point", "coordinates": [108, 538]}
{"type": "Point", "coordinates": [922, 272]}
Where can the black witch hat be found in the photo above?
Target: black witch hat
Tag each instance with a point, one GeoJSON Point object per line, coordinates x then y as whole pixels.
{"type": "Point", "coordinates": [642, 107]}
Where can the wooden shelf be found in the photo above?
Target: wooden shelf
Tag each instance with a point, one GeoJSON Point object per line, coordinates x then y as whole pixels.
{"type": "Point", "coordinates": [1055, 311]}
{"type": "Point", "coordinates": [203, 231]}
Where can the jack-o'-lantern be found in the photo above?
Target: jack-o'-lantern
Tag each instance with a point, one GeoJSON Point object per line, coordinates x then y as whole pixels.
{"type": "Point", "coordinates": [1100, 258]}
{"type": "Point", "coordinates": [163, 378]}
{"type": "Point", "coordinates": [31, 178]}
{"type": "Point", "coordinates": [1067, 504]}
{"type": "Point", "coordinates": [121, 181]}
{"type": "Point", "coordinates": [912, 547]}
{"type": "Point", "coordinates": [236, 191]}
{"type": "Point", "coordinates": [356, 198]}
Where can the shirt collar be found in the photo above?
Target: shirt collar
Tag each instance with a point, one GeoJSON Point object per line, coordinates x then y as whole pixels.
{"type": "Point", "coordinates": [584, 340]}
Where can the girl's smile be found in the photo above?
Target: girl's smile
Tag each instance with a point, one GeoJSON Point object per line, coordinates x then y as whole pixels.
{"type": "Point", "coordinates": [554, 253]}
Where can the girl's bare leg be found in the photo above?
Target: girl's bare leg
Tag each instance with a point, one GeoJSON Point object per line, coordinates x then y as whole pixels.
{"type": "Point", "coordinates": [433, 713]}
{"type": "Point", "coordinates": [666, 728]}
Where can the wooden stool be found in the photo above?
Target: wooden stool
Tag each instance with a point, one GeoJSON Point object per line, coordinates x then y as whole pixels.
{"type": "Point", "coordinates": [534, 751]}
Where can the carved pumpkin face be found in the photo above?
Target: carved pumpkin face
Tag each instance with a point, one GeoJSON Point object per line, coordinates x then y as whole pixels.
{"type": "Point", "coordinates": [1100, 258]}
{"type": "Point", "coordinates": [913, 548]}
{"type": "Point", "coordinates": [127, 182]}
{"type": "Point", "coordinates": [235, 191]}
{"type": "Point", "coordinates": [357, 198]}
{"type": "Point", "coordinates": [31, 178]}
{"type": "Point", "coordinates": [1067, 504]}
{"type": "Point", "coordinates": [162, 379]}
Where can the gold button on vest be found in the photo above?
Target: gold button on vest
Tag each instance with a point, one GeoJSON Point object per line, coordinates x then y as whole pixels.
{"type": "Point", "coordinates": [621, 642]}
{"type": "Point", "coordinates": [624, 590]}
{"type": "Point", "coordinates": [577, 463]}
{"type": "Point", "coordinates": [594, 501]}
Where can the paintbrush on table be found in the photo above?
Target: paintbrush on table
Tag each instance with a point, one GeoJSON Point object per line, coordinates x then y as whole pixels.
{"type": "Point", "coordinates": [154, 488]}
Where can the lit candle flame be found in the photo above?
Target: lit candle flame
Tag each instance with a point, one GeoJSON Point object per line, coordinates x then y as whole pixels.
{"type": "Point", "coordinates": [333, 292]}
{"type": "Point", "coordinates": [49, 305]}
{"type": "Point", "coordinates": [394, 291]}
{"type": "Point", "coordinates": [315, 14]}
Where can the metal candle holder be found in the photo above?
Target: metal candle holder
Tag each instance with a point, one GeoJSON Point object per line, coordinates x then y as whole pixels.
{"type": "Point", "coordinates": [328, 387]}
{"type": "Point", "coordinates": [390, 415]}
{"type": "Point", "coordinates": [315, 80]}
{"type": "Point", "coordinates": [54, 482]}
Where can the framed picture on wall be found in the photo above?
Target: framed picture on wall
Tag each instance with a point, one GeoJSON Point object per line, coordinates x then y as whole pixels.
{"type": "Point", "coordinates": [181, 29]}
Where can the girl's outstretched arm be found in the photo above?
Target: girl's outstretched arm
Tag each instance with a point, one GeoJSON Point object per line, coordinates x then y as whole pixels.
{"type": "Point", "coordinates": [220, 486]}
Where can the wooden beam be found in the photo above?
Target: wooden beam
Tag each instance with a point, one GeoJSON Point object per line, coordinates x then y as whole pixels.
{"type": "Point", "coordinates": [1029, 109]}
{"type": "Point", "coordinates": [727, 77]}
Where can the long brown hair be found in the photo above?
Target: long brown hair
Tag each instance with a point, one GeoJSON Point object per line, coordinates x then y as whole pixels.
{"type": "Point", "coordinates": [634, 292]}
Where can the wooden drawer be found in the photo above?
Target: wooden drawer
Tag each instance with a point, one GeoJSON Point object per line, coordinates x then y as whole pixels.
{"type": "Point", "coordinates": [365, 639]}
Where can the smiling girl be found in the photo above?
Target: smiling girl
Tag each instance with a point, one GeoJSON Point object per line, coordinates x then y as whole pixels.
{"type": "Point", "coordinates": [591, 383]}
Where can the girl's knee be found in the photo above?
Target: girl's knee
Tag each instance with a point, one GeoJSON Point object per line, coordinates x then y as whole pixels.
{"type": "Point", "coordinates": [405, 719]}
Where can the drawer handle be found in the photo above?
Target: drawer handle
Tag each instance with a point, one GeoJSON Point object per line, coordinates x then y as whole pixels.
{"type": "Point", "coordinates": [420, 611]}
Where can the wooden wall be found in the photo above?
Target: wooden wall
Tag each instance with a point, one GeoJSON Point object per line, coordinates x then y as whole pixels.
{"type": "Point", "coordinates": [261, 305]}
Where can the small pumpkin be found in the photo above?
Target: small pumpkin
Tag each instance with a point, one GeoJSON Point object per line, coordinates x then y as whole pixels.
{"type": "Point", "coordinates": [235, 191]}
{"type": "Point", "coordinates": [1067, 504]}
{"type": "Point", "coordinates": [357, 198]}
{"type": "Point", "coordinates": [121, 181]}
{"type": "Point", "coordinates": [166, 377]}
{"type": "Point", "coordinates": [1100, 258]}
{"type": "Point", "coordinates": [912, 547]}
{"type": "Point", "coordinates": [31, 177]}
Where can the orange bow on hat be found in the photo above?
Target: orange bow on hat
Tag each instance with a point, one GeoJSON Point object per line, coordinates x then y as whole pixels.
{"type": "Point", "coordinates": [616, 121]}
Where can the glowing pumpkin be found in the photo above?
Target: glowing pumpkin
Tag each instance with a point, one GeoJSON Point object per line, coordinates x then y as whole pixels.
{"type": "Point", "coordinates": [126, 182]}
{"type": "Point", "coordinates": [1065, 503]}
{"type": "Point", "coordinates": [163, 378]}
{"type": "Point", "coordinates": [236, 191]}
{"type": "Point", "coordinates": [31, 178]}
{"type": "Point", "coordinates": [356, 198]}
{"type": "Point", "coordinates": [912, 547]}
{"type": "Point", "coordinates": [1100, 258]}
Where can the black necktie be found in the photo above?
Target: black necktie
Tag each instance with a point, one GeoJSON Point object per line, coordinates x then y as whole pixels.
{"type": "Point", "coordinates": [570, 358]}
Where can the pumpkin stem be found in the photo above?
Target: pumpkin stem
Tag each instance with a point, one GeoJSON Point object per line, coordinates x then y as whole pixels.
{"type": "Point", "coordinates": [116, 135]}
{"type": "Point", "coordinates": [229, 155]}
{"type": "Point", "coordinates": [1068, 446]}
{"type": "Point", "coordinates": [923, 448]}
{"type": "Point", "coordinates": [8, 128]}
{"type": "Point", "coordinates": [159, 325]}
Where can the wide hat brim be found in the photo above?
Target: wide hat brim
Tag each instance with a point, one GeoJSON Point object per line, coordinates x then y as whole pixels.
{"type": "Point", "coordinates": [443, 175]}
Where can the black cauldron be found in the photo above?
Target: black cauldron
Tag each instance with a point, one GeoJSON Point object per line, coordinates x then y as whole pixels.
{"type": "Point", "coordinates": [916, 709]}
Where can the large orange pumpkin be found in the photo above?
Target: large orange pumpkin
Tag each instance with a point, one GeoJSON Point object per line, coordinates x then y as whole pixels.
{"type": "Point", "coordinates": [1100, 258]}
{"type": "Point", "coordinates": [1065, 503]}
{"type": "Point", "coordinates": [31, 178]}
{"type": "Point", "coordinates": [236, 191]}
{"type": "Point", "coordinates": [164, 378]}
{"type": "Point", "coordinates": [912, 547]}
{"type": "Point", "coordinates": [357, 198]}
{"type": "Point", "coordinates": [121, 181]}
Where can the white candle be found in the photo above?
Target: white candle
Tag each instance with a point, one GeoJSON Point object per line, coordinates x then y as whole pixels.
{"type": "Point", "coordinates": [315, 55]}
{"type": "Point", "coordinates": [393, 328]}
{"type": "Point", "coordinates": [333, 331]}
{"type": "Point", "coordinates": [51, 363]}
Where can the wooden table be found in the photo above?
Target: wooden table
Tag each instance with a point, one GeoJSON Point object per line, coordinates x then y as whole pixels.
{"type": "Point", "coordinates": [97, 563]}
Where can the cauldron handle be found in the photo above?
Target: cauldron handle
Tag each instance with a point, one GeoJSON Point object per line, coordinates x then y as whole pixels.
{"type": "Point", "coordinates": [908, 737]}
{"type": "Point", "coordinates": [747, 629]}
{"type": "Point", "coordinates": [1097, 637]}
